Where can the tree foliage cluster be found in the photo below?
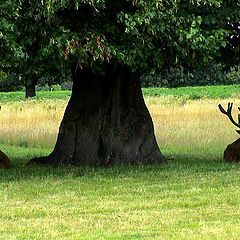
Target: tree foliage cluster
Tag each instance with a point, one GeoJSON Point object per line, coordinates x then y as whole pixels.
{"type": "Point", "coordinates": [38, 38]}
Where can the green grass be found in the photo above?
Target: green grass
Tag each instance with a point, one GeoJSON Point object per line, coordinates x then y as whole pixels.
{"type": "Point", "coordinates": [191, 93]}
{"type": "Point", "coordinates": [191, 197]}
{"type": "Point", "coordinates": [187, 93]}
{"type": "Point", "coordinates": [196, 195]}
{"type": "Point", "coordinates": [20, 96]}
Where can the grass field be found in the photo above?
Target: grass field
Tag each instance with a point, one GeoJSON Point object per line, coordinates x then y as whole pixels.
{"type": "Point", "coordinates": [185, 93]}
{"type": "Point", "coordinates": [195, 196]}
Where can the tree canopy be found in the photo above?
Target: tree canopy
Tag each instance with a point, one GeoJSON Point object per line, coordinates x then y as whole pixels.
{"type": "Point", "coordinates": [41, 37]}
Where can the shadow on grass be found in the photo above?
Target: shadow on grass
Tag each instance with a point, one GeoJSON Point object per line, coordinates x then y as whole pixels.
{"type": "Point", "coordinates": [177, 164]}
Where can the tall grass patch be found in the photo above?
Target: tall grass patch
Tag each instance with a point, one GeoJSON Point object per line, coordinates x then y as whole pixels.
{"type": "Point", "coordinates": [32, 123]}
{"type": "Point", "coordinates": [181, 126]}
{"type": "Point", "coordinates": [192, 127]}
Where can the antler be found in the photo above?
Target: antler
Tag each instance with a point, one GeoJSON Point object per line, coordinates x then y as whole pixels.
{"type": "Point", "coordinates": [229, 114]}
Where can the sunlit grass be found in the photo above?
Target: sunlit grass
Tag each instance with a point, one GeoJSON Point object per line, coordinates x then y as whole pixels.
{"type": "Point", "coordinates": [190, 125]}
{"type": "Point", "coordinates": [31, 123]}
{"type": "Point", "coordinates": [181, 200]}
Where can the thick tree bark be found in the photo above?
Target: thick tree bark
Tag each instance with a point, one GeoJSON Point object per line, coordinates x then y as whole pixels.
{"type": "Point", "coordinates": [30, 90]}
{"type": "Point", "coordinates": [105, 123]}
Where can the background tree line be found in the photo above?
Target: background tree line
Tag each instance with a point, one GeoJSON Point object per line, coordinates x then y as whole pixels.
{"type": "Point", "coordinates": [33, 62]}
{"type": "Point", "coordinates": [213, 74]}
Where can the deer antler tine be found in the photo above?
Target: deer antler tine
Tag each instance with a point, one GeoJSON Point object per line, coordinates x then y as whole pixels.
{"type": "Point", "coordinates": [230, 105]}
{"type": "Point", "coordinates": [222, 109]}
{"type": "Point", "coordinates": [229, 111]}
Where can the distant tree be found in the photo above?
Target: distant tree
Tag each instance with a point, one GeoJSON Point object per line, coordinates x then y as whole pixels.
{"type": "Point", "coordinates": [108, 45]}
{"type": "Point", "coordinates": [25, 34]}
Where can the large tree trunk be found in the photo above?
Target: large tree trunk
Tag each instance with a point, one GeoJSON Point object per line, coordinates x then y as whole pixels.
{"type": "Point", "coordinates": [105, 123]}
{"type": "Point", "coordinates": [30, 90]}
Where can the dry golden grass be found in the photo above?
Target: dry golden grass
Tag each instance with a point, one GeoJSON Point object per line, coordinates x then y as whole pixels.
{"type": "Point", "coordinates": [194, 124]}
{"type": "Point", "coordinates": [31, 123]}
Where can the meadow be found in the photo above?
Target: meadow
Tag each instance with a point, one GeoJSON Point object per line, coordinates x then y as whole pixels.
{"type": "Point", "coordinates": [196, 195]}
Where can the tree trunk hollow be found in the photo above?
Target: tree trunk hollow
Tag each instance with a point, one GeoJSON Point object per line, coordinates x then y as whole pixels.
{"type": "Point", "coordinates": [105, 123]}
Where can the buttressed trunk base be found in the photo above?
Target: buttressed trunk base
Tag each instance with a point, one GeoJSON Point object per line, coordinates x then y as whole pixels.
{"type": "Point", "coordinates": [105, 123]}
